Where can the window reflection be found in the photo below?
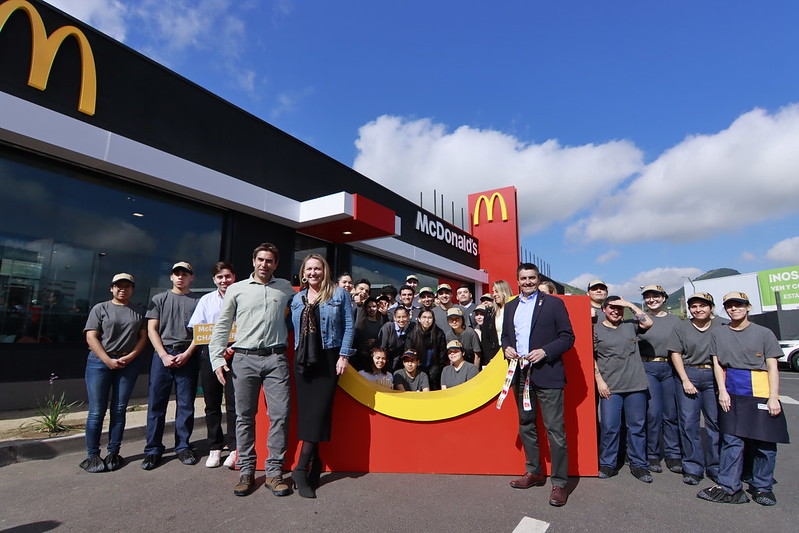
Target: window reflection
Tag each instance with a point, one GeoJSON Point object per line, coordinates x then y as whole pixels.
{"type": "Point", "coordinates": [64, 233]}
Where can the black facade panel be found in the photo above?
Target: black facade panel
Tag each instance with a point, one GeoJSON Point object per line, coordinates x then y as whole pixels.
{"type": "Point", "coordinates": [141, 100]}
{"type": "Point", "coordinates": [247, 233]}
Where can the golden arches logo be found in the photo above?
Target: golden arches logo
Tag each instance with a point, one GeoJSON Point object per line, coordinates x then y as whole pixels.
{"type": "Point", "coordinates": [489, 203]}
{"type": "Point", "coordinates": [44, 50]}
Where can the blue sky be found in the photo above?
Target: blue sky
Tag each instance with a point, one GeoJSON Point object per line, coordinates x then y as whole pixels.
{"type": "Point", "coordinates": [648, 140]}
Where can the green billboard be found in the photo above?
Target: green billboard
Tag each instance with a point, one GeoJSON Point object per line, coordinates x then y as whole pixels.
{"type": "Point", "coordinates": [782, 280]}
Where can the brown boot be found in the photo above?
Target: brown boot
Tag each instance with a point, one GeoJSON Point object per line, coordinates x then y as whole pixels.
{"type": "Point", "coordinates": [245, 485]}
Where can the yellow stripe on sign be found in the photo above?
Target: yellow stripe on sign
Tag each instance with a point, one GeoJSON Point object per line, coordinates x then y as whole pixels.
{"type": "Point", "coordinates": [433, 405]}
{"type": "Point", "coordinates": [760, 388]}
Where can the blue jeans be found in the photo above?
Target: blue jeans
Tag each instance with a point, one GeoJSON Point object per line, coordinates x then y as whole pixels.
{"type": "Point", "coordinates": [696, 459]}
{"type": "Point", "coordinates": [732, 454]}
{"type": "Point", "coordinates": [634, 406]}
{"type": "Point", "coordinates": [661, 414]}
{"type": "Point", "coordinates": [104, 385]}
{"type": "Point", "coordinates": [161, 380]}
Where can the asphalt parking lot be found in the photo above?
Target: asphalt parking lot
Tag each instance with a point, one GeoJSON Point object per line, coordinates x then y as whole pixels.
{"type": "Point", "coordinates": [54, 494]}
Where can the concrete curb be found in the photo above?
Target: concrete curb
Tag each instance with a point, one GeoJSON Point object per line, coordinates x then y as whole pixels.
{"type": "Point", "coordinates": [18, 451]}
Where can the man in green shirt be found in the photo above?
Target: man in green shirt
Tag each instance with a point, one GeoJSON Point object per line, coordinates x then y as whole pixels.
{"type": "Point", "coordinates": [258, 305]}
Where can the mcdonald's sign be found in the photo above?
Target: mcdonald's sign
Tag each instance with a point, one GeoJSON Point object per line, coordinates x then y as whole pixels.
{"type": "Point", "coordinates": [44, 50]}
{"type": "Point", "coordinates": [489, 202]}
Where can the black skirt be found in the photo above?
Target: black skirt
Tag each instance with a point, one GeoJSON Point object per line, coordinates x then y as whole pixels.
{"type": "Point", "coordinates": [316, 387]}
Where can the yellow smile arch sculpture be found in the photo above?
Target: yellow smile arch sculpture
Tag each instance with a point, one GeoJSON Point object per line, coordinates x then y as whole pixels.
{"type": "Point", "coordinates": [433, 405]}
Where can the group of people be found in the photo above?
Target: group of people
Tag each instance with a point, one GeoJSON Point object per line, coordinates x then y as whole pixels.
{"type": "Point", "coordinates": [320, 313]}
{"type": "Point", "coordinates": [657, 377]}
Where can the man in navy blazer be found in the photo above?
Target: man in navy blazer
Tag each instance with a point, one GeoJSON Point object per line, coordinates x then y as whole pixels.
{"type": "Point", "coordinates": [536, 329]}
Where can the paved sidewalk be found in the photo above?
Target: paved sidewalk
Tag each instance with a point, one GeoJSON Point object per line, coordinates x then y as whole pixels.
{"type": "Point", "coordinates": [31, 446]}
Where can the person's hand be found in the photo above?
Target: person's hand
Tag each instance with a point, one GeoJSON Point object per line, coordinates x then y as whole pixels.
{"type": "Point", "coordinates": [510, 353]}
{"type": "Point", "coordinates": [724, 401]}
{"type": "Point", "coordinates": [168, 360]}
{"type": "Point", "coordinates": [229, 352]}
{"type": "Point", "coordinates": [774, 407]}
{"type": "Point", "coordinates": [181, 359]}
{"type": "Point", "coordinates": [603, 389]}
{"type": "Point", "coordinates": [341, 365]}
{"type": "Point", "coordinates": [689, 387]}
{"type": "Point", "coordinates": [536, 355]}
{"type": "Point", "coordinates": [220, 374]}
{"type": "Point", "coordinates": [115, 364]}
{"type": "Point", "coordinates": [593, 312]}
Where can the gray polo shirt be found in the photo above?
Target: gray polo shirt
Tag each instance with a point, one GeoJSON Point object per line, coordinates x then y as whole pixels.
{"type": "Point", "coordinates": [618, 359]}
{"type": "Point", "coordinates": [451, 377]}
{"type": "Point", "coordinates": [119, 325]}
{"type": "Point", "coordinates": [259, 311]}
{"type": "Point", "coordinates": [411, 384]}
{"type": "Point", "coordinates": [654, 341]}
{"type": "Point", "coordinates": [173, 312]}
{"type": "Point", "coordinates": [694, 345]}
{"type": "Point", "coordinates": [745, 349]}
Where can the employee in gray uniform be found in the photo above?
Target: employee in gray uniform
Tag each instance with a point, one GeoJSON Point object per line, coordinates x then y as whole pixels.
{"type": "Point", "coordinates": [661, 411]}
{"type": "Point", "coordinates": [696, 390]}
{"type": "Point", "coordinates": [172, 364]}
{"type": "Point", "coordinates": [622, 386]}
{"type": "Point", "coordinates": [116, 335]}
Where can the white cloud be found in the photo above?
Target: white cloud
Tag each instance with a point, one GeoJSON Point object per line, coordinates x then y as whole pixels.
{"type": "Point", "coordinates": [671, 278]}
{"type": "Point", "coordinates": [287, 102]}
{"type": "Point", "coordinates": [707, 184]}
{"type": "Point", "coordinates": [419, 155]}
{"type": "Point", "coordinates": [748, 257]}
{"type": "Point", "coordinates": [607, 256]}
{"type": "Point", "coordinates": [108, 16]}
{"type": "Point", "coordinates": [785, 252]}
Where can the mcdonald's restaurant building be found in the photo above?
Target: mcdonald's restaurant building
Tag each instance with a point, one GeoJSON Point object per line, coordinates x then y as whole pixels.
{"type": "Point", "coordinates": [112, 163]}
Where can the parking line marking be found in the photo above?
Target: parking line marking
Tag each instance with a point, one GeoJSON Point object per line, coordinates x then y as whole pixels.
{"type": "Point", "coordinates": [789, 400]}
{"type": "Point", "coordinates": [531, 525]}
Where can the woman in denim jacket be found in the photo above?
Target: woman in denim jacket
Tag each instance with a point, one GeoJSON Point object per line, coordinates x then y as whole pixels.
{"type": "Point", "coordinates": [322, 317]}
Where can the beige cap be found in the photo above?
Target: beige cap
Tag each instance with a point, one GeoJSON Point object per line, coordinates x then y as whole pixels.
{"type": "Point", "coordinates": [654, 288]}
{"type": "Point", "coordinates": [425, 289]}
{"type": "Point", "coordinates": [182, 265]}
{"type": "Point", "coordinates": [444, 287]}
{"type": "Point", "coordinates": [736, 296]}
{"type": "Point", "coordinates": [454, 345]}
{"type": "Point", "coordinates": [410, 277]}
{"type": "Point", "coordinates": [123, 276]}
{"type": "Point", "coordinates": [706, 296]}
{"type": "Point", "coordinates": [595, 283]}
{"type": "Point", "coordinates": [454, 311]}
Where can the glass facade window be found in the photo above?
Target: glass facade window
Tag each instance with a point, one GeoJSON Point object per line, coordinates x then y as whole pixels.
{"type": "Point", "coordinates": [304, 245]}
{"type": "Point", "coordinates": [381, 272]}
{"type": "Point", "coordinates": [64, 233]}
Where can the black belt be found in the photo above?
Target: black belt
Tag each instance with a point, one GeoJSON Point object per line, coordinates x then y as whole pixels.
{"type": "Point", "coordinates": [118, 354]}
{"type": "Point", "coordinates": [180, 347]}
{"type": "Point", "coordinates": [656, 360]}
{"type": "Point", "coordinates": [261, 351]}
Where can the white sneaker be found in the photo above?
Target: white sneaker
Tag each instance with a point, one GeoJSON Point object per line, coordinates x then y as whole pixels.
{"type": "Point", "coordinates": [230, 462]}
{"type": "Point", "coordinates": [214, 459]}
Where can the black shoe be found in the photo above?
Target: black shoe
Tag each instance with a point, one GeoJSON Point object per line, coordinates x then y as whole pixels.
{"type": "Point", "coordinates": [151, 461]}
{"type": "Point", "coordinates": [114, 461]}
{"type": "Point", "coordinates": [315, 473]}
{"type": "Point", "coordinates": [606, 472]}
{"type": "Point", "coordinates": [654, 466]}
{"type": "Point", "coordinates": [718, 495]}
{"type": "Point", "coordinates": [764, 497]}
{"type": "Point", "coordinates": [690, 479]}
{"type": "Point", "coordinates": [675, 465]}
{"type": "Point", "coordinates": [641, 474]}
{"type": "Point", "coordinates": [300, 478]}
{"type": "Point", "coordinates": [93, 465]}
{"type": "Point", "coordinates": [187, 457]}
